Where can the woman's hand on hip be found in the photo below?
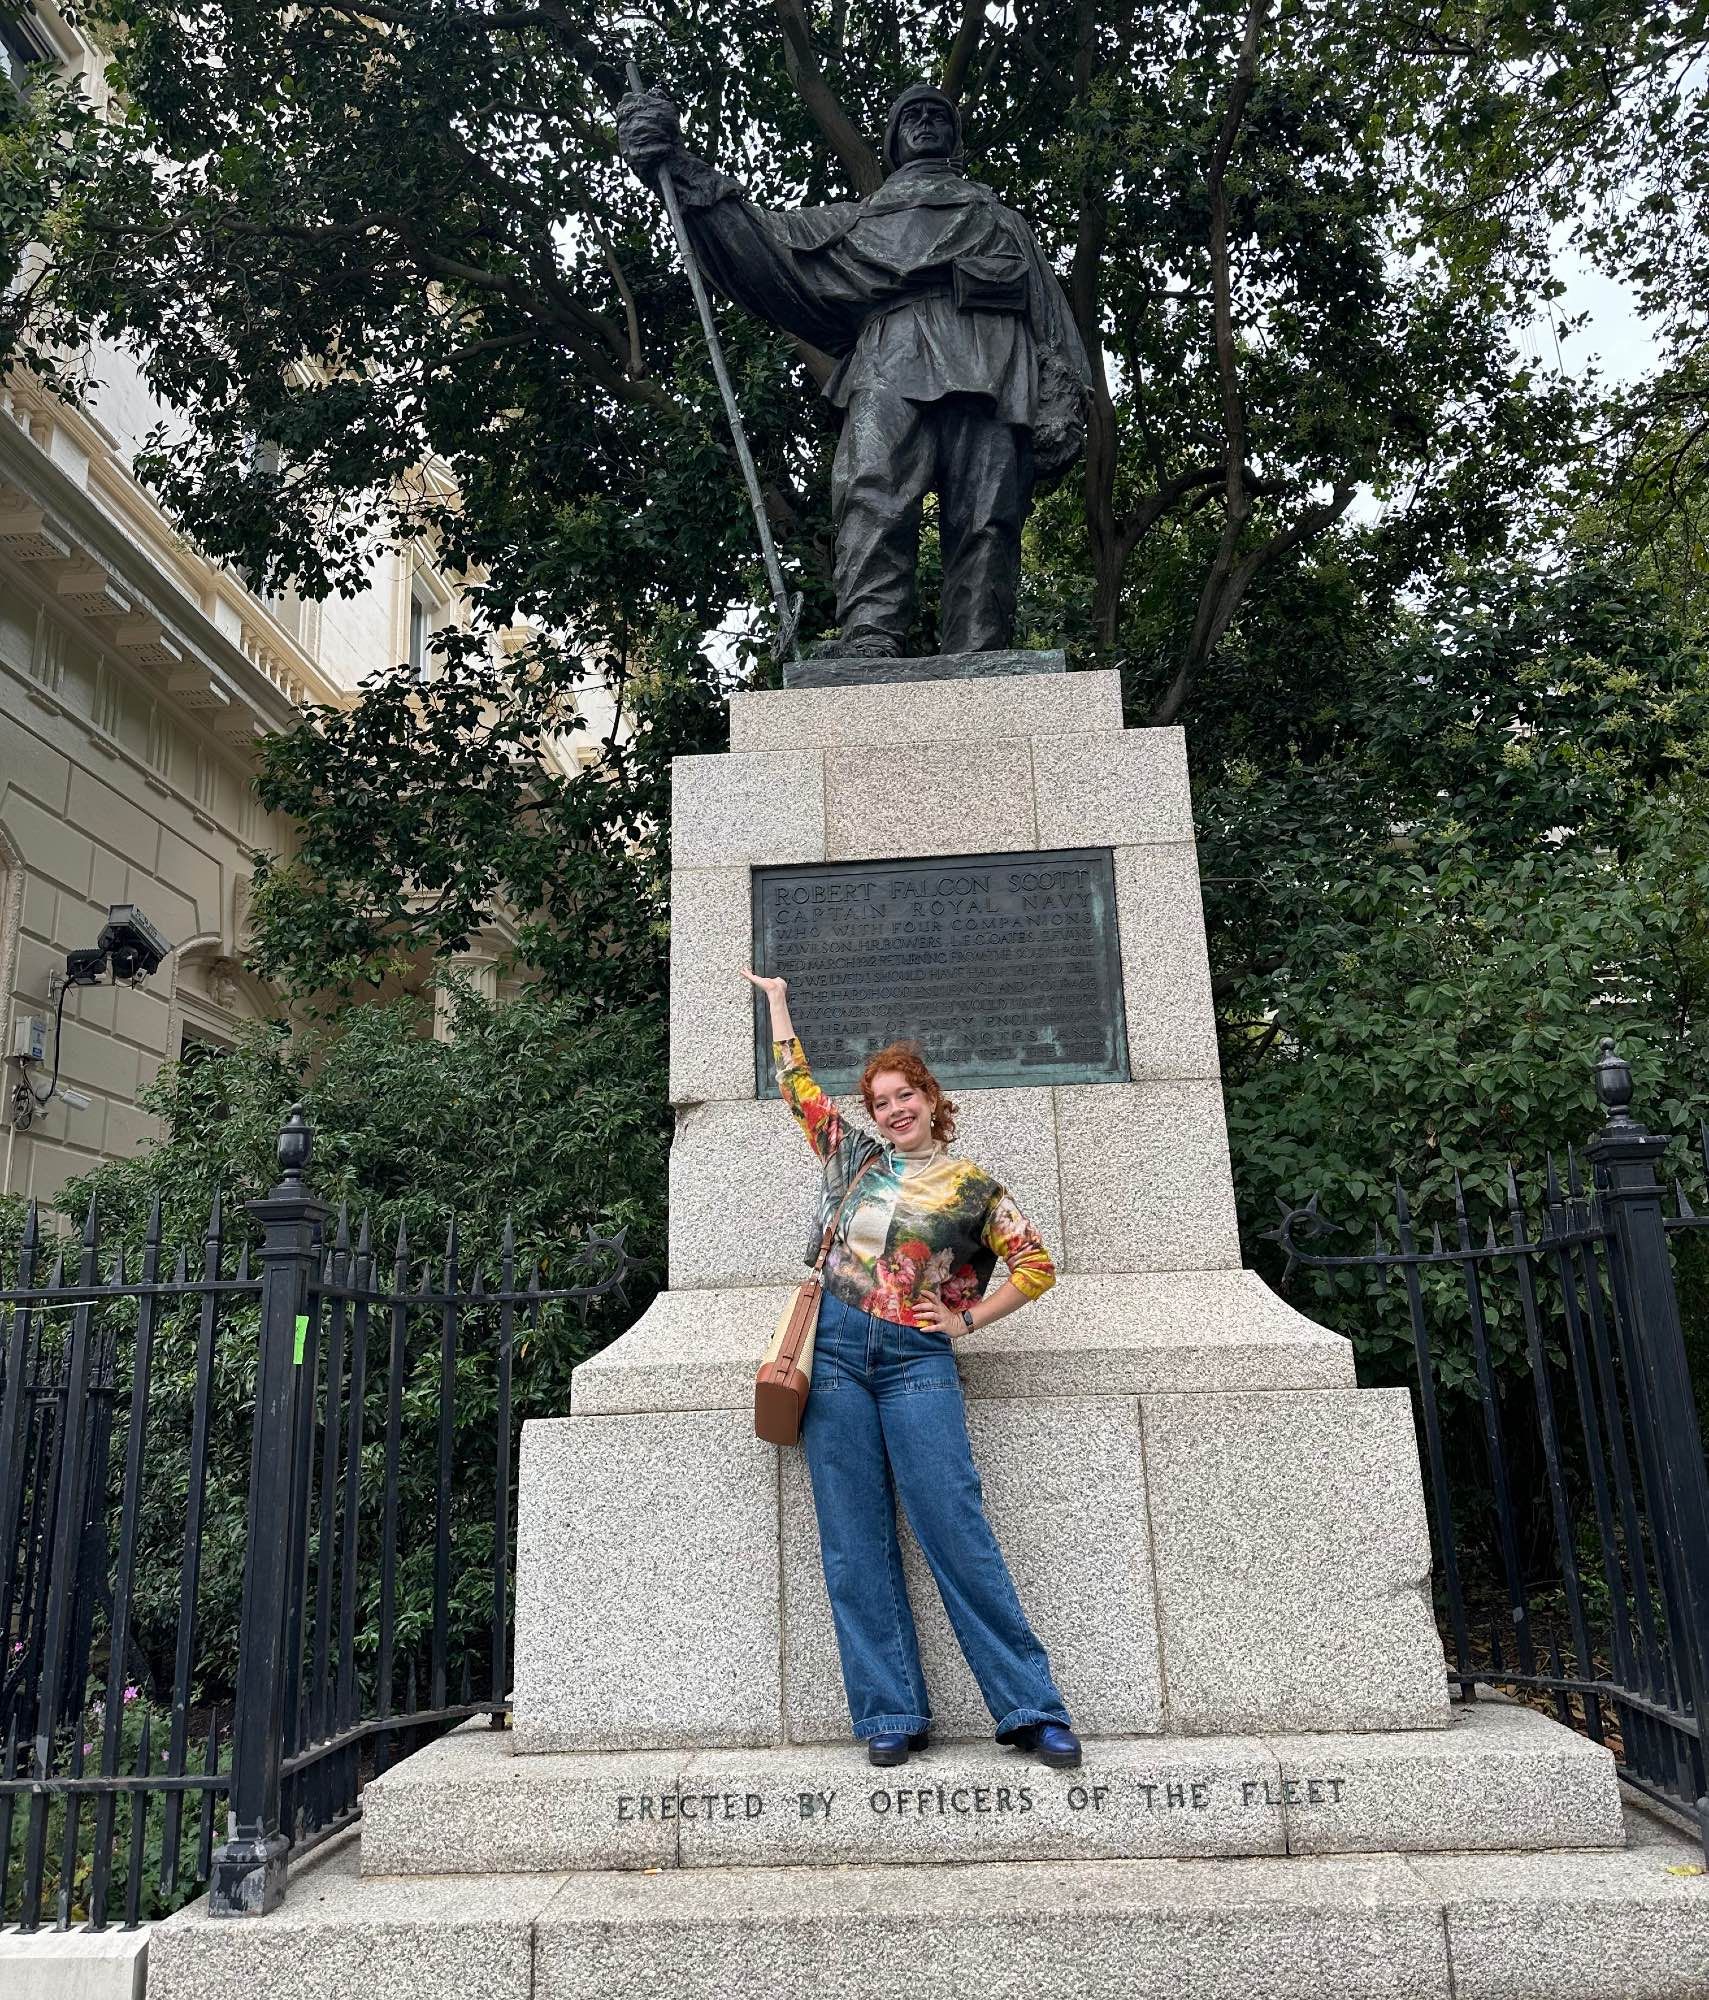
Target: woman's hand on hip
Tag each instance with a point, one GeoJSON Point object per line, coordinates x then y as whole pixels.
{"type": "Point", "coordinates": [931, 1313]}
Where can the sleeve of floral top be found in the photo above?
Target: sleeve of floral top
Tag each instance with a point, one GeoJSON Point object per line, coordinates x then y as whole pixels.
{"type": "Point", "coordinates": [1012, 1237]}
{"type": "Point", "coordinates": [814, 1112]}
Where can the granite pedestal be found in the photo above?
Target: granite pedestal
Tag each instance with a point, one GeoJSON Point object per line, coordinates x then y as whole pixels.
{"type": "Point", "coordinates": [1215, 1532]}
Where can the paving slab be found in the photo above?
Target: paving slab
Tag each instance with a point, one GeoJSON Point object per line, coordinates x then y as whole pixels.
{"type": "Point", "coordinates": [337, 1936]}
{"type": "Point", "coordinates": [74, 1965]}
{"type": "Point", "coordinates": [1624, 1926]}
{"type": "Point", "coordinates": [1498, 1776]}
{"type": "Point", "coordinates": [1141, 1930]}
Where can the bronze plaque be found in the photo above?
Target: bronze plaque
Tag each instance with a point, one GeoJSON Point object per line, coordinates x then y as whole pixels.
{"type": "Point", "coordinates": [1005, 968]}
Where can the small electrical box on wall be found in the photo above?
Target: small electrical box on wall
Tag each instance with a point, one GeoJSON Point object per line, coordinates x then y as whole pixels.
{"type": "Point", "coordinates": [29, 1038]}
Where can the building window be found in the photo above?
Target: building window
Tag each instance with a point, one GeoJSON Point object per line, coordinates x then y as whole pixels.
{"type": "Point", "coordinates": [22, 50]}
{"type": "Point", "coordinates": [421, 610]}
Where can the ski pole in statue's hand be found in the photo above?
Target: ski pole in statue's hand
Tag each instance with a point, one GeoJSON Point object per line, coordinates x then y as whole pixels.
{"type": "Point", "coordinates": [788, 606]}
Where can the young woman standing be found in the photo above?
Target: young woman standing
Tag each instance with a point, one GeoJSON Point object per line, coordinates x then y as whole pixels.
{"type": "Point", "coordinates": [916, 1244]}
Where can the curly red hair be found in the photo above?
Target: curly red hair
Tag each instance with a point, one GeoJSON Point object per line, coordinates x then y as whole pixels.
{"type": "Point", "coordinates": [904, 1059]}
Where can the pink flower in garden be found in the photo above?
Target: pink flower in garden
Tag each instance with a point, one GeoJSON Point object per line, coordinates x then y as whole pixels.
{"type": "Point", "coordinates": [132, 1691]}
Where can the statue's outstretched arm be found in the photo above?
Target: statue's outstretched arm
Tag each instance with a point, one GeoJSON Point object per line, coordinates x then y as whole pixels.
{"type": "Point", "coordinates": [752, 256]}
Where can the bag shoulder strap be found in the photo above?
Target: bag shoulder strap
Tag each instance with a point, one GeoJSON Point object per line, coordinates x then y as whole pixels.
{"type": "Point", "coordinates": [829, 1236]}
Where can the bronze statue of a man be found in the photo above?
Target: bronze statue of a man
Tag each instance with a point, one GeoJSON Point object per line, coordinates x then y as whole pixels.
{"type": "Point", "coordinates": [961, 371]}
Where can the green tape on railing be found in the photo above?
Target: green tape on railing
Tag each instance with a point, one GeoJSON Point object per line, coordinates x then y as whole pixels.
{"type": "Point", "coordinates": [302, 1337]}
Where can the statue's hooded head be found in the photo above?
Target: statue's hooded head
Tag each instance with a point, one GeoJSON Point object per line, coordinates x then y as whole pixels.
{"type": "Point", "coordinates": [919, 93]}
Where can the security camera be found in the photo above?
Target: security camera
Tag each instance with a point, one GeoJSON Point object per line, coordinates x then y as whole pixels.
{"type": "Point", "coordinates": [134, 945]}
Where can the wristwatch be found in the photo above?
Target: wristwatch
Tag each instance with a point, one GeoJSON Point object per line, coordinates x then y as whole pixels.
{"type": "Point", "coordinates": [967, 1319]}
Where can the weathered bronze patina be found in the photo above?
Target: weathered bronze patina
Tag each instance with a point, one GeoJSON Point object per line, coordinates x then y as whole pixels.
{"type": "Point", "coordinates": [1005, 968]}
{"type": "Point", "coordinates": [960, 369]}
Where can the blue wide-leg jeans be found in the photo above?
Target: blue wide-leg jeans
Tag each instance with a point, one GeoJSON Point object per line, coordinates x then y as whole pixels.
{"type": "Point", "coordinates": [885, 1423]}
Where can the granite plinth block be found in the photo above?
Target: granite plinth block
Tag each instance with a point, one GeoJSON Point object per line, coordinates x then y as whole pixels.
{"type": "Point", "coordinates": [1146, 1182]}
{"type": "Point", "coordinates": [1166, 974]}
{"type": "Point", "coordinates": [712, 1015]}
{"type": "Point", "coordinates": [73, 1965]}
{"type": "Point", "coordinates": [760, 809]}
{"type": "Point", "coordinates": [470, 1804]}
{"type": "Point", "coordinates": [1498, 1776]}
{"type": "Point", "coordinates": [744, 1185]}
{"type": "Point", "coordinates": [919, 800]}
{"type": "Point", "coordinates": [1293, 1562]}
{"type": "Point", "coordinates": [977, 1802]}
{"type": "Point", "coordinates": [1138, 1930]}
{"type": "Point", "coordinates": [688, 1351]}
{"type": "Point", "coordinates": [927, 712]}
{"type": "Point", "coordinates": [837, 670]}
{"type": "Point", "coordinates": [1064, 1490]}
{"type": "Point", "coordinates": [1088, 1336]}
{"type": "Point", "coordinates": [1623, 1926]}
{"type": "Point", "coordinates": [1115, 790]}
{"type": "Point", "coordinates": [336, 1934]}
{"type": "Point", "coordinates": [646, 1583]}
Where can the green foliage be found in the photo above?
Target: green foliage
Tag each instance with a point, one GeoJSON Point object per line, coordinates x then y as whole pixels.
{"type": "Point", "coordinates": [1485, 844]}
{"type": "Point", "coordinates": [530, 1115]}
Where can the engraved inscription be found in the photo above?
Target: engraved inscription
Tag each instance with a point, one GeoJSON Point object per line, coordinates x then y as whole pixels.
{"type": "Point", "coordinates": [905, 1805]}
{"type": "Point", "coordinates": [1006, 968]}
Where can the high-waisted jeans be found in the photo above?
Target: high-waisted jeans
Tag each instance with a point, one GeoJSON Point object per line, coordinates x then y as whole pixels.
{"type": "Point", "coordinates": [885, 1422]}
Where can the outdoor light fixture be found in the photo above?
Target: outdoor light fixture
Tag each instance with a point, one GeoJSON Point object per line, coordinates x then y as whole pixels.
{"type": "Point", "coordinates": [130, 949]}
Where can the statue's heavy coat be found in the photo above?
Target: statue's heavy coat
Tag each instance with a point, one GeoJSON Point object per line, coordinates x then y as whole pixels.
{"type": "Point", "coordinates": [930, 288]}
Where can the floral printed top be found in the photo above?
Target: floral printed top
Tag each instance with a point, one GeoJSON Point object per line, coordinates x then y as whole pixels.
{"type": "Point", "coordinates": [938, 1226]}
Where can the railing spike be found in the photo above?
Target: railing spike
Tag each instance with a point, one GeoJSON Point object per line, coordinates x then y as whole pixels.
{"type": "Point", "coordinates": [152, 1234]}
{"type": "Point", "coordinates": [341, 1237]}
{"type": "Point", "coordinates": [92, 1224]}
{"type": "Point", "coordinates": [402, 1250]}
{"type": "Point", "coordinates": [1436, 1239]}
{"type": "Point", "coordinates": [181, 1268]}
{"type": "Point", "coordinates": [1514, 1206]}
{"type": "Point", "coordinates": [216, 1217]}
{"type": "Point", "coordinates": [243, 1264]}
{"type": "Point", "coordinates": [364, 1243]}
{"type": "Point", "coordinates": [1551, 1181]}
{"type": "Point", "coordinates": [1575, 1182]}
{"type": "Point", "coordinates": [31, 1237]}
{"type": "Point", "coordinates": [508, 1242]}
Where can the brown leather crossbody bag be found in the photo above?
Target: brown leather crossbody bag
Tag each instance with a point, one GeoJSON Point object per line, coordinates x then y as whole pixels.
{"type": "Point", "coordinates": [786, 1373]}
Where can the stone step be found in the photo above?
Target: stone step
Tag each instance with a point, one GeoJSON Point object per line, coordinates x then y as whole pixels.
{"type": "Point", "coordinates": [1552, 1926]}
{"type": "Point", "coordinates": [1499, 1776]}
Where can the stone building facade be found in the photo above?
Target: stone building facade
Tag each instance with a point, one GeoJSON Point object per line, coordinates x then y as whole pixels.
{"type": "Point", "coordinates": [136, 678]}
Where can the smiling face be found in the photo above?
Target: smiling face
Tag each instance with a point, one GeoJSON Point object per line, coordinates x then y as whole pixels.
{"type": "Point", "coordinates": [925, 131]}
{"type": "Point", "coordinates": [902, 1111]}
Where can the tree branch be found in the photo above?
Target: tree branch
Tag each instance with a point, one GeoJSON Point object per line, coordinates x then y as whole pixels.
{"type": "Point", "coordinates": [860, 162]}
{"type": "Point", "coordinates": [964, 47]}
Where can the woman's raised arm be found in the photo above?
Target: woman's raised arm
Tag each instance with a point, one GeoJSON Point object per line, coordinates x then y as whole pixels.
{"type": "Point", "coordinates": [817, 1116]}
{"type": "Point", "coordinates": [776, 993]}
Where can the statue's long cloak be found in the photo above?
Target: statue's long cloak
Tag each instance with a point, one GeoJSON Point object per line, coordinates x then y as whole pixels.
{"type": "Point", "coordinates": [930, 287]}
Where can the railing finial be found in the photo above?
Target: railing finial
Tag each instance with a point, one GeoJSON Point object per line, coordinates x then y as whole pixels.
{"type": "Point", "coordinates": [1614, 1087]}
{"type": "Point", "coordinates": [296, 1144]}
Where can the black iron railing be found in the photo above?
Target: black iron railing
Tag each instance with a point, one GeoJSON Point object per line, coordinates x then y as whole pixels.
{"type": "Point", "coordinates": [1582, 1577]}
{"type": "Point", "coordinates": [161, 1730]}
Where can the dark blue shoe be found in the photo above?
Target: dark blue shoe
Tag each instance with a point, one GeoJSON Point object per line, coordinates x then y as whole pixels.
{"type": "Point", "coordinates": [893, 1746]}
{"type": "Point", "coordinates": [1052, 1743]}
